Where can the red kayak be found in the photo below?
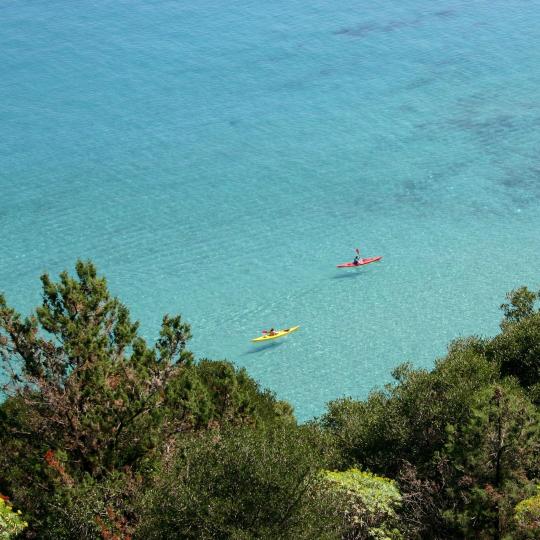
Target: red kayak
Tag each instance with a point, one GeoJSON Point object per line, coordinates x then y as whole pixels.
{"type": "Point", "coordinates": [361, 262]}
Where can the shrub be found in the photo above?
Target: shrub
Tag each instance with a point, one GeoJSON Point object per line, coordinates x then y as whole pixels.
{"type": "Point", "coordinates": [527, 517]}
{"type": "Point", "coordinates": [11, 522]}
{"type": "Point", "coordinates": [368, 504]}
{"type": "Point", "coordinates": [243, 483]}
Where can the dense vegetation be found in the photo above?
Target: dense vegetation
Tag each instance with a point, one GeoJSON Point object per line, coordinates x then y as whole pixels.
{"type": "Point", "coordinates": [103, 435]}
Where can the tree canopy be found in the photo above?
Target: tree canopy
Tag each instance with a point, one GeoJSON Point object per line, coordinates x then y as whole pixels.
{"type": "Point", "coordinates": [104, 435]}
{"type": "Point", "coordinates": [90, 399]}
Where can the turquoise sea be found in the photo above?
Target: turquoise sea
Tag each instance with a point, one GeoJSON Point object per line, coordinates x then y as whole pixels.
{"type": "Point", "coordinates": [218, 159]}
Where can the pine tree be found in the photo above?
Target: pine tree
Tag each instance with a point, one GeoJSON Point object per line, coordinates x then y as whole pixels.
{"type": "Point", "coordinates": [92, 387]}
{"type": "Point", "coordinates": [494, 458]}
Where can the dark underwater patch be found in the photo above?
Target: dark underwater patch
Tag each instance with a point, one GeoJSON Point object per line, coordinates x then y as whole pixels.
{"type": "Point", "coordinates": [445, 13]}
{"type": "Point", "coordinates": [419, 83]}
{"type": "Point", "coordinates": [522, 186]}
{"type": "Point", "coordinates": [363, 30]}
{"type": "Point", "coordinates": [396, 25]}
{"type": "Point", "coordinates": [359, 30]}
{"type": "Point", "coordinates": [407, 107]}
{"type": "Point", "coordinates": [413, 195]}
{"type": "Point", "coordinates": [413, 192]}
{"type": "Point", "coordinates": [488, 130]}
{"type": "Point", "coordinates": [325, 72]}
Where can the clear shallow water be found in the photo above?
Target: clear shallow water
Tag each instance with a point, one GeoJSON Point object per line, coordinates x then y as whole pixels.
{"type": "Point", "coordinates": [218, 159]}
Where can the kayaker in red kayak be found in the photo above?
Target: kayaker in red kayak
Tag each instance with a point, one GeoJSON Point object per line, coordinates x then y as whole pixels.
{"type": "Point", "coordinates": [359, 261]}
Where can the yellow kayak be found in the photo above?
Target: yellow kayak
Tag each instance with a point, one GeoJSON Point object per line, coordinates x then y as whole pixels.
{"type": "Point", "coordinates": [277, 334]}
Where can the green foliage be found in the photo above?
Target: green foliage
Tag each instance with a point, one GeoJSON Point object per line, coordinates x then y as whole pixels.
{"type": "Point", "coordinates": [368, 504]}
{"type": "Point", "coordinates": [94, 387]}
{"type": "Point", "coordinates": [243, 483]}
{"type": "Point", "coordinates": [516, 350]}
{"type": "Point", "coordinates": [90, 399]}
{"type": "Point", "coordinates": [93, 509]}
{"type": "Point", "coordinates": [492, 456]}
{"type": "Point", "coordinates": [407, 421]}
{"type": "Point", "coordinates": [527, 518]}
{"type": "Point", "coordinates": [106, 436]}
{"type": "Point", "coordinates": [236, 397]}
{"type": "Point", "coordinates": [520, 305]}
{"type": "Point", "coordinates": [11, 522]}
{"type": "Point", "coordinates": [462, 440]}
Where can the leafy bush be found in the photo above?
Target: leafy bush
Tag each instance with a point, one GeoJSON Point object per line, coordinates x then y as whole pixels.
{"type": "Point", "coordinates": [368, 504]}
{"type": "Point", "coordinates": [461, 439]}
{"type": "Point", "coordinates": [90, 401]}
{"type": "Point", "coordinates": [105, 435]}
{"type": "Point", "coordinates": [243, 483]}
{"type": "Point", "coordinates": [527, 517]}
{"type": "Point", "coordinates": [407, 421]}
{"type": "Point", "coordinates": [93, 509]}
{"type": "Point", "coordinates": [516, 350]}
{"type": "Point", "coordinates": [11, 523]}
{"type": "Point", "coordinates": [492, 458]}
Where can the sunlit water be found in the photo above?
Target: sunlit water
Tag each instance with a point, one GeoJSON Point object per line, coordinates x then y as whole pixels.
{"type": "Point", "coordinates": [218, 159]}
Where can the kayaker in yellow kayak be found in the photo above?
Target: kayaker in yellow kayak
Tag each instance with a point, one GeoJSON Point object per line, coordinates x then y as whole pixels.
{"type": "Point", "coordinates": [275, 334]}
